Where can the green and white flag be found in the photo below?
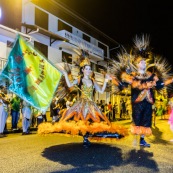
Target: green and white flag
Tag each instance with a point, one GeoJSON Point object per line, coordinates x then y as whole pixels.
{"type": "Point", "coordinates": [33, 78]}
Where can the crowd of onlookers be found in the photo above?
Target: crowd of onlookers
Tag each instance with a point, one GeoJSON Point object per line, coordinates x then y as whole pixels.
{"type": "Point", "coordinates": [14, 108]}
{"type": "Point", "coordinates": [23, 116]}
{"type": "Point", "coordinates": [122, 109]}
{"type": "Point", "coordinates": [116, 111]}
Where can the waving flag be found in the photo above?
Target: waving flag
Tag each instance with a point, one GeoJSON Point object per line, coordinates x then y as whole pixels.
{"type": "Point", "coordinates": [33, 78]}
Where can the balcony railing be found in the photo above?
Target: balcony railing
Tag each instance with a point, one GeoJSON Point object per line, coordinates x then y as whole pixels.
{"type": "Point", "coordinates": [81, 43]}
{"type": "Point", "coordinates": [2, 63]}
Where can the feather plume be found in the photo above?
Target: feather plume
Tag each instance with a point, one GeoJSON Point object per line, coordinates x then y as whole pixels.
{"type": "Point", "coordinates": [141, 43]}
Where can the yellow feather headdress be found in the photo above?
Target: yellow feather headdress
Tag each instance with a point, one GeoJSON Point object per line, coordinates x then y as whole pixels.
{"type": "Point", "coordinates": [85, 62]}
{"type": "Point", "coordinates": [84, 57]}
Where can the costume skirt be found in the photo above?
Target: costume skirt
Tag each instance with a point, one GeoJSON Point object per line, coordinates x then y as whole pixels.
{"type": "Point", "coordinates": [142, 118]}
{"type": "Point", "coordinates": [83, 117]}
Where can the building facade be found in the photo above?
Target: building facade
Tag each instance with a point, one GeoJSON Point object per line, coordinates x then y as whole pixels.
{"type": "Point", "coordinates": [56, 32]}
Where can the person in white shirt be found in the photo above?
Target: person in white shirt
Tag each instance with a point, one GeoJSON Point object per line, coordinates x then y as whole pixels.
{"type": "Point", "coordinates": [26, 117]}
{"type": "Point", "coordinates": [4, 101]}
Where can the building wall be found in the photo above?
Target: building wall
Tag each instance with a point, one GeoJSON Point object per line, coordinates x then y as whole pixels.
{"type": "Point", "coordinates": [3, 52]}
{"type": "Point", "coordinates": [53, 23]}
{"type": "Point", "coordinates": [54, 53]}
{"type": "Point", "coordinates": [29, 14]}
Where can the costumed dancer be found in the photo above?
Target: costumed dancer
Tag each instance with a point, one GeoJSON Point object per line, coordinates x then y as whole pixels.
{"type": "Point", "coordinates": [145, 73]}
{"type": "Point", "coordinates": [170, 121]}
{"type": "Point", "coordinates": [84, 117]}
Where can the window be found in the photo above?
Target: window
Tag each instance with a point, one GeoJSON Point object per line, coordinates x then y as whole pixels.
{"type": "Point", "coordinates": [10, 44]}
{"type": "Point", "coordinates": [86, 38]}
{"type": "Point", "coordinates": [42, 48]}
{"type": "Point", "coordinates": [100, 45]}
{"type": "Point", "coordinates": [64, 26]}
{"type": "Point", "coordinates": [66, 57]}
{"type": "Point", "coordinates": [93, 67]}
{"type": "Point", "coordinates": [41, 18]}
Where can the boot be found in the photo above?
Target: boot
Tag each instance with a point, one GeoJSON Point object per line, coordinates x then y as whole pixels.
{"type": "Point", "coordinates": [86, 142]}
{"type": "Point", "coordinates": [144, 143]}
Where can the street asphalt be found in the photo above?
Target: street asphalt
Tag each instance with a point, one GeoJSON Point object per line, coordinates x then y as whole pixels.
{"type": "Point", "coordinates": [60, 153]}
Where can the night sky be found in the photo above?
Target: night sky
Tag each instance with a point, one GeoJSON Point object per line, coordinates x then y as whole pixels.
{"type": "Point", "coordinates": [123, 19]}
{"type": "Point", "coordinates": [119, 19]}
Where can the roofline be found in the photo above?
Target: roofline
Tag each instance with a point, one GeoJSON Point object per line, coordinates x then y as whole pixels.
{"type": "Point", "coordinates": [15, 32]}
{"type": "Point", "coordinates": [74, 14]}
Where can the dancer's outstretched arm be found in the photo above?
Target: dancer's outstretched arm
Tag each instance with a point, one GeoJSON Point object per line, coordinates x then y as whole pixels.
{"type": "Point", "coordinates": [102, 89]}
{"type": "Point", "coordinates": [64, 72]}
{"type": "Point", "coordinates": [69, 84]}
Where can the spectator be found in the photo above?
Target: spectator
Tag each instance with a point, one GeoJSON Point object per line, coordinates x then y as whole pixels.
{"type": "Point", "coordinates": [15, 108]}
{"type": "Point", "coordinates": [3, 110]}
{"type": "Point", "coordinates": [114, 111]}
{"type": "Point", "coordinates": [44, 116]}
{"type": "Point", "coordinates": [33, 117]}
{"type": "Point", "coordinates": [160, 112]}
{"type": "Point", "coordinates": [26, 116]}
{"type": "Point", "coordinates": [123, 109]}
{"type": "Point", "coordinates": [54, 110]}
{"type": "Point", "coordinates": [102, 106]}
{"type": "Point", "coordinates": [39, 118]}
{"type": "Point", "coordinates": [154, 114]}
{"type": "Point", "coordinates": [109, 111]}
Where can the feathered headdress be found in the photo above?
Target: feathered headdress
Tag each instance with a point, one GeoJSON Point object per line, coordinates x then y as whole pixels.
{"type": "Point", "coordinates": [82, 59]}
{"type": "Point", "coordinates": [141, 46]}
{"type": "Point", "coordinates": [141, 50]}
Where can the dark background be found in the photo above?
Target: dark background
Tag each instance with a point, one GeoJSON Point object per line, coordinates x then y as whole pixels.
{"type": "Point", "coordinates": [123, 19]}
{"type": "Point", "coordinates": [119, 19]}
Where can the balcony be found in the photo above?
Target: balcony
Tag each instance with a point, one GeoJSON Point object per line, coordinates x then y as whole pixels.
{"type": "Point", "coordinates": [95, 52]}
{"type": "Point", "coordinates": [34, 29]}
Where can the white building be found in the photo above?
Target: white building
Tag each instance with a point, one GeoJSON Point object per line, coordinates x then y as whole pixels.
{"type": "Point", "coordinates": [56, 32]}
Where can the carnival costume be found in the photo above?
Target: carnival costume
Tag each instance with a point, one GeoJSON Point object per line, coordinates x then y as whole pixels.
{"type": "Point", "coordinates": [170, 121]}
{"type": "Point", "coordinates": [85, 108]}
{"type": "Point", "coordinates": [84, 117]}
{"type": "Point", "coordinates": [155, 77]}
